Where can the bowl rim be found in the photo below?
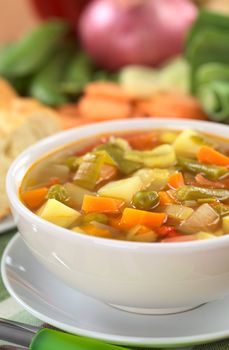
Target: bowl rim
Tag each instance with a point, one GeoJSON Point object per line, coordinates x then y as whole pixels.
{"type": "Point", "coordinates": [55, 229]}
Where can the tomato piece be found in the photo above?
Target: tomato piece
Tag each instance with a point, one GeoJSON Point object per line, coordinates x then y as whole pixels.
{"type": "Point", "coordinates": [167, 231]}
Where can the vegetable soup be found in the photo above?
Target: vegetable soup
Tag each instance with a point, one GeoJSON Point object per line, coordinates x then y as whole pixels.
{"type": "Point", "coordinates": [148, 186]}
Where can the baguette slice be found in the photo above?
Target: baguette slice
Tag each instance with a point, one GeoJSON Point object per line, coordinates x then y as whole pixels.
{"type": "Point", "coordinates": [23, 121]}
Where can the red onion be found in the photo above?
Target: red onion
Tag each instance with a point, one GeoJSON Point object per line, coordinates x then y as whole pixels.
{"type": "Point", "coordinates": [116, 33]}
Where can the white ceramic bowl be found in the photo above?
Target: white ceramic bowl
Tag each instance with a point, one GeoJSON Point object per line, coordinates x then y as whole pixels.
{"type": "Point", "coordinates": [139, 277]}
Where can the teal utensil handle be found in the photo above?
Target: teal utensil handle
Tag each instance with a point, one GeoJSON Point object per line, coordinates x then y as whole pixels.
{"type": "Point", "coordinates": [48, 339]}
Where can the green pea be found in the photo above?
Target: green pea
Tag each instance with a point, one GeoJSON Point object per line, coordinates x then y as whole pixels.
{"type": "Point", "coordinates": [145, 200]}
{"type": "Point", "coordinates": [101, 218]}
{"type": "Point", "coordinates": [59, 193]}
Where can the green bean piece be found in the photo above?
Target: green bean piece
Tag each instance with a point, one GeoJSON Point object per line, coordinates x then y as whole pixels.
{"type": "Point", "coordinates": [46, 84]}
{"type": "Point", "coordinates": [59, 193]}
{"type": "Point", "coordinates": [194, 193]}
{"type": "Point", "coordinates": [213, 172]}
{"type": "Point", "coordinates": [117, 154]}
{"type": "Point", "coordinates": [145, 200]}
{"type": "Point", "coordinates": [78, 74]}
{"type": "Point", "coordinates": [221, 209]}
{"type": "Point", "coordinates": [206, 200]}
{"type": "Point", "coordinates": [72, 163]}
{"type": "Point", "coordinates": [101, 218]}
{"type": "Point", "coordinates": [30, 53]}
{"type": "Point", "coordinates": [89, 171]}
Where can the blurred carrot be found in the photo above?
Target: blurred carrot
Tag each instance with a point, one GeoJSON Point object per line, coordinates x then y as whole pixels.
{"type": "Point", "coordinates": [107, 90]}
{"type": "Point", "coordinates": [171, 105]}
{"type": "Point", "coordinates": [70, 109]}
{"type": "Point", "coordinates": [70, 118]}
{"type": "Point", "coordinates": [98, 108]}
{"type": "Point", "coordinates": [68, 122]}
{"type": "Point", "coordinates": [107, 101]}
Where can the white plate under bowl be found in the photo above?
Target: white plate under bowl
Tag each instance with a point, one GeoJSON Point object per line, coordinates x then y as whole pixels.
{"type": "Point", "coordinates": [50, 300]}
{"type": "Point", "coordinates": [7, 224]}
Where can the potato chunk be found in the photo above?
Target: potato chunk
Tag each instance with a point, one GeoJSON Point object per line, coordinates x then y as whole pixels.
{"type": "Point", "coordinates": [188, 143]}
{"type": "Point", "coordinates": [58, 213]}
{"type": "Point", "coordinates": [122, 189]}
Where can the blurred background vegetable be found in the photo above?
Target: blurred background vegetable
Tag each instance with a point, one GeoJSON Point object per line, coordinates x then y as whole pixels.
{"type": "Point", "coordinates": [57, 70]}
{"type": "Point", "coordinates": [128, 58]}
{"type": "Point", "coordinates": [207, 50]}
{"type": "Point", "coordinates": [65, 9]}
{"type": "Point", "coordinates": [146, 33]}
{"type": "Point", "coordinates": [142, 82]}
